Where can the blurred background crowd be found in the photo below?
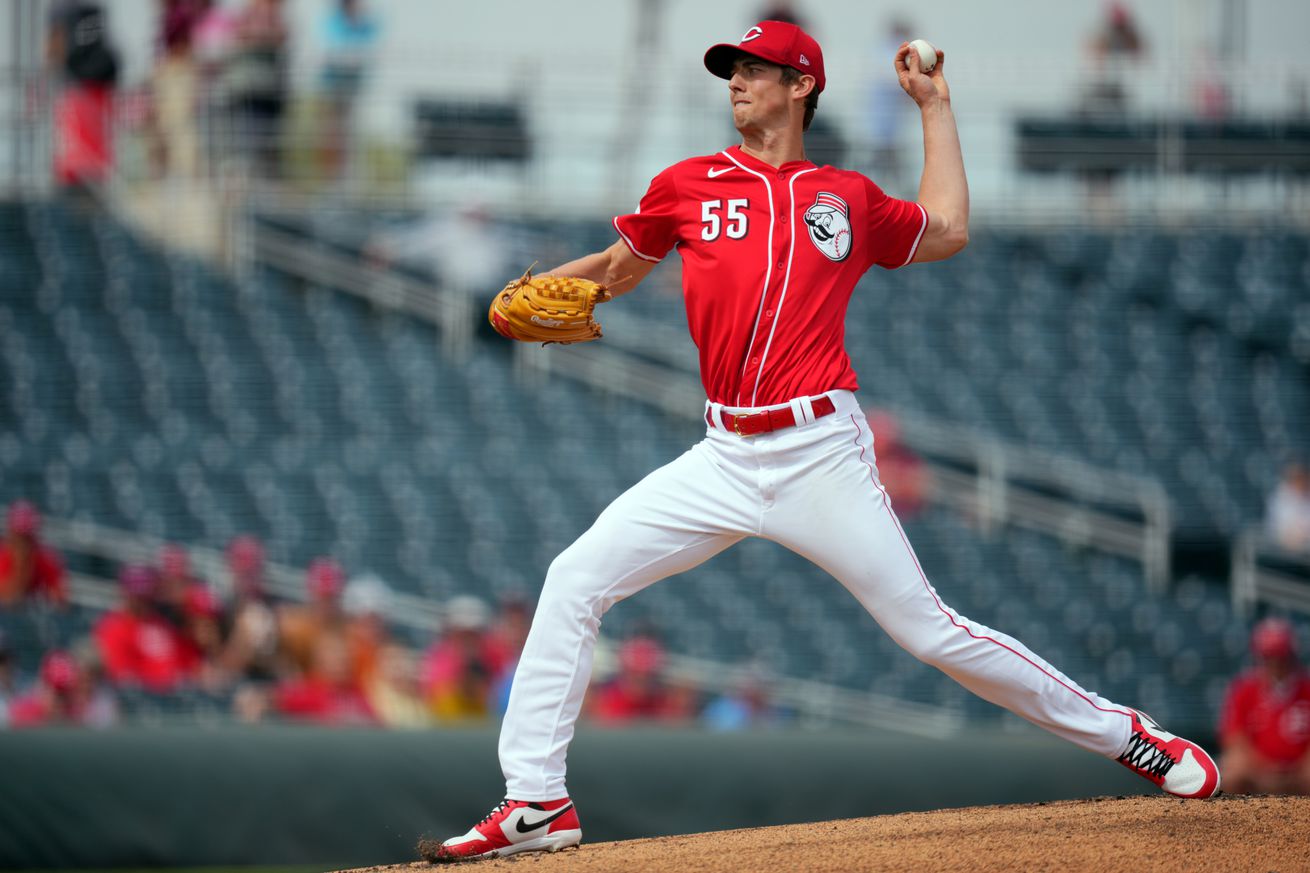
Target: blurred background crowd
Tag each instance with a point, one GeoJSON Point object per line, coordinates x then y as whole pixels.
{"type": "Point", "coordinates": [328, 658]}
{"type": "Point", "coordinates": [245, 375]}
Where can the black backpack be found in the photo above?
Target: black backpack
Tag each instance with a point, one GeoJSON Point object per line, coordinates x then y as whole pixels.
{"type": "Point", "coordinates": [87, 54]}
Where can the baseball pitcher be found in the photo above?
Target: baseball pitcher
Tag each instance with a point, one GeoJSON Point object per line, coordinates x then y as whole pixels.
{"type": "Point", "coordinates": [772, 247]}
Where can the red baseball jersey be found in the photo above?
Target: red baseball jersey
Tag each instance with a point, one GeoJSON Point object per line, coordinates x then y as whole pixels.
{"type": "Point", "coordinates": [1275, 719]}
{"type": "Point", "coordinates": [770, 257]}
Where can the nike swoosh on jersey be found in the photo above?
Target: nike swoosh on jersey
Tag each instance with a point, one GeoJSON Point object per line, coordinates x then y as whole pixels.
{"type": "Point", "coordinates": [715, 173]}
{"type": "Point", "coordinates": [523, 827]}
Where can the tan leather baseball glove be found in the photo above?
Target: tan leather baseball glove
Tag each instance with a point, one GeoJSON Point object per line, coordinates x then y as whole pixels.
{"type": "Point", "coordinates": [548, 309]}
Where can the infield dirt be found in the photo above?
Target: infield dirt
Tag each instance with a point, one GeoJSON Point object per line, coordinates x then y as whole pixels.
{"type": "Point", "coordinates": [1104, 834]}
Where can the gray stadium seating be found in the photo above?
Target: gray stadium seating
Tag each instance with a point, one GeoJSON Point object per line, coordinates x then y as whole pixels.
{"type": "Point", "coordinates": [147, 392]}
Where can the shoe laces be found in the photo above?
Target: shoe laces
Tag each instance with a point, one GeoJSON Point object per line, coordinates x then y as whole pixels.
{"type": "Point", "coordinates": [495, 811]}
{"type": "Point", "coordinates": [1146, 754]}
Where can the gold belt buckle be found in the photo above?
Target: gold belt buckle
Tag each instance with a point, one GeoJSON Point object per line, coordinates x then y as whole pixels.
{"type": "Point", "coordinates": [737, 420]}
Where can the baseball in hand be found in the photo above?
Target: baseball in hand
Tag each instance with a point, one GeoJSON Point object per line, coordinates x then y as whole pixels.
{"type": "Point", "coordinates": [927, 54]}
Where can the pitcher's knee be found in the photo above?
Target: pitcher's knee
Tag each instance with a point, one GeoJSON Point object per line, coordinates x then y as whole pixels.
{"type": "Point", "coordinates": [928, 650]}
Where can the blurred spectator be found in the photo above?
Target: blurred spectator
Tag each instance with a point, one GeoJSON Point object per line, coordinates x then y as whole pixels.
{"type": "Point", "coordinates": [782, 10]}
{"type": "Point", "coordinates": [900, 470]}
{"type": "Point", "coordinates": [461, 669]}
{"type": "Point", "coordinates": [1264, 729]}
{"type": "Point", "coordinates": [66, 693]}
{"type": "Point", "coordinates": [366, 602]}
{"type": "Point", "coordinates": [328, 693]}
{"type": "Point", "coordinates": [1287, 520]}
{"type": "Point", "coordinates": [137, 645]}
{"type": "Point", "coordinates": [1114, 50]}
{"type": "Point", "coordinates": [203, 628]}
{"type": "Point", "coordinates": [394, 692]}
{"type": "Point", "coordinates": [175, 583]}
{"type": "Point", "coordinates": [254, 83]}
{"type": "Point", "coordinates": [1212, 98]}
{"type": "Point", "coordinates": [1113, 54]}
{"type": "Point", "coordinates": [8, 679]}
{"type": "Point", "coordinates": [747, 705]}
{"type": "Point", "coordinates": [251, 648]}
{"type": "Point", "coordinates": [176, 84]}
{"type": "Point", "coordinates": [99, 706]}
{"type": "Point", "coordinates": [302, 626]}
{"type": "Point", "coordinates": [637, 692]}
{"type": "Point", "coordinates": [463, 248]}
{"type": "Point", "coordinates": [511, 628]}
{"type": "Point", "coordinates": [349, 37]}
{"type": "Point", "coordinates": [889, 108]}
{"type": "Point", "coordinates": [28, 569]}
{"type": "Point", "coordinates": [212, 43]}
{"type": "Point", "coordinates": [86, 68]}
{"type": "Point", "coordinates": [513, 621]}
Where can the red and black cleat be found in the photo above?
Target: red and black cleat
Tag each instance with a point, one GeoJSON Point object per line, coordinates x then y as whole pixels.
{"type": "Point", "coordinates": [513, 826]}
{"type": "Point", "coordinates": [1176, 765]}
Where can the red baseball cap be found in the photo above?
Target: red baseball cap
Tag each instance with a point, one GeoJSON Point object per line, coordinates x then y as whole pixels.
{"type": "Point", "coordinates": [200, 602]}
{"type": "Point", "coordinates": [1273, 638]}
{"type": "Point", "coordinates": [24, 519]}
{"type": "Point", "coordinates": [324, 579]}
{"type": "Point", "coordinates": [776, 42]}
{"type": "Point", "coordinates": [59, 671]}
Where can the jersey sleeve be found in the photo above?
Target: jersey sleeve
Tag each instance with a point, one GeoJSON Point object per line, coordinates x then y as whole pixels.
{"type": "Point", "coordinates": [653, 229]}
{"type": "Point", "coordinates": [895, 228]}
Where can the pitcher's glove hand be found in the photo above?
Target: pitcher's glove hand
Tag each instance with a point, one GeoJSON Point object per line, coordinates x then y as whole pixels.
{"type": "Point", "coordinates": [548, 309]}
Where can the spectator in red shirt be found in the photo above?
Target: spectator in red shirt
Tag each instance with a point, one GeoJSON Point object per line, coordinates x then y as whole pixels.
{"type": "Point", "coordinates": [27, 567]}
{"type": "Point", "coordinates": [329, 694]}
{"type": "Point", "coordinates": [1265, 726]}
{"type": "Point", "coordinates": [175, 582]}
{"type": "Point", "coordinates": [202, 626]}
{"type": "Point", "coordinates": [138, 646]}
{"type": "Point", "coordinates": [901, 471]}
{"type": "Point", "coordinates": [64, 694]}
{"type": "Point", "coordinates": [637, 692]}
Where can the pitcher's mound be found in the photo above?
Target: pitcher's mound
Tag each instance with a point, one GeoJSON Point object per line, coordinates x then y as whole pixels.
{"type": "Point", "coordinates": [1102, 835]}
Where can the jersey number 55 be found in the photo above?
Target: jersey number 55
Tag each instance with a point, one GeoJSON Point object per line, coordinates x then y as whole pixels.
{"type": "Point", "coordinates": [736, 224]}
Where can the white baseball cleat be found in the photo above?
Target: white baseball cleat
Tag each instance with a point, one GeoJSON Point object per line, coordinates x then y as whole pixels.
{"type": "Point", "coordinates": [513, 826]}
{"type": "Point", "coordinates": [1176, 765]}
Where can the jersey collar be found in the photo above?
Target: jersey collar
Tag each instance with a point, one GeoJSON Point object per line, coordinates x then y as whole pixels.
{"type": "Point", "coordinates": [756, 164]}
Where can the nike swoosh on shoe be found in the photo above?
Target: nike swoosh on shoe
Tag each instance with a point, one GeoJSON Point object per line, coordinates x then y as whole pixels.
{"type": "Point", "coordinates": [519, 825]}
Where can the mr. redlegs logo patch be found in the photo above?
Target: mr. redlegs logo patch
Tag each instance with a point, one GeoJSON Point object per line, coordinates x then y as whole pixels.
{"type": "Point", "coordinates": [829, 222]}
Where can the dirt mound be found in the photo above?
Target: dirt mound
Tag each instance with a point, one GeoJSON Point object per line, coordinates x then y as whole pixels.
{"type": "Point", "coordinates": [1105, 835]}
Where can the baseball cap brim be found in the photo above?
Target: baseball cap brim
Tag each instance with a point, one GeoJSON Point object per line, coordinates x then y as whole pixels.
{"type": "Point", "coordinates": [720, 58]}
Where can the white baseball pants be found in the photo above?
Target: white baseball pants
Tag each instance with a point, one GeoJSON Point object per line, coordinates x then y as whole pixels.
{"type": "Point", "coordinates": [814, 489]}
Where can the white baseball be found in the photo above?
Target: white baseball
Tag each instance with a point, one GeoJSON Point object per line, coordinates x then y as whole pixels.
{"type": "Point", "coordinates": [927, 54]}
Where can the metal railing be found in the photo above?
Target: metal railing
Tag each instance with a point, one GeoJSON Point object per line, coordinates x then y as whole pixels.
{"type": "Point", "coordinates": [130, 547]}
{"type": "Point", "coordinates": [1263, 572]}
{"type": "Point", "coordinates": [992, 481]}
{"type": "Point", "coordinates": [814, 702]}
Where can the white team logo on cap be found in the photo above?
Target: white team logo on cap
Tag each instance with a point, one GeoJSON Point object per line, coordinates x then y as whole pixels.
{"type": "Point", "coordinates": [830, 226]}
{"type": "Point", "coordinates": [754, 33]}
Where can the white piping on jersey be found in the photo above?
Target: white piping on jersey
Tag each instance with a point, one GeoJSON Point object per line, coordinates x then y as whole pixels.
{"type": "Point", "coordinates": [786, 278]}
{"type": "Point", "coordinates": [624, 236]}
{"type": "Point", "coordinates": [768, 269]}
{"type": "Point", "coordinates": [923, 227]}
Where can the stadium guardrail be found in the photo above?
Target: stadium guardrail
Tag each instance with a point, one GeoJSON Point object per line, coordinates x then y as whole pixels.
{"type": "Point", "coordinates": [813, 702]}
{"type": "Point", "coordinates": [1264, 572]}
{"type": "Point", "coordinates": [990, 480]}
